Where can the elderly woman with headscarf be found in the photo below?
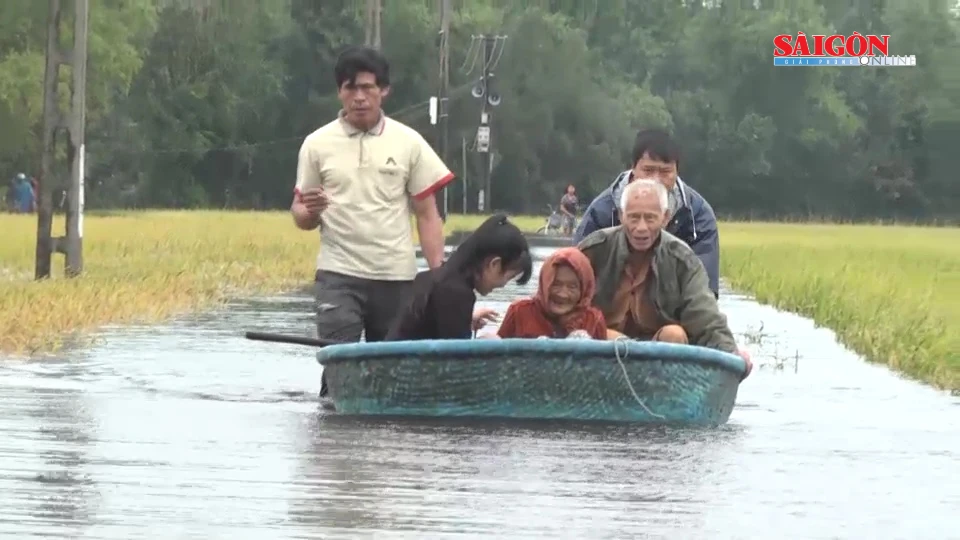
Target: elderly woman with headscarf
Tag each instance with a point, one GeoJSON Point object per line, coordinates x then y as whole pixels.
{"type": "Point", "coordinates": [562, 307]}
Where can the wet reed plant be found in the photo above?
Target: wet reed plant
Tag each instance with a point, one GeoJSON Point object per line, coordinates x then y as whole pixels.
{"type": "Point", "coordinates": [889, 293]}
{"type": "Point", "coordinates": [143, 267]}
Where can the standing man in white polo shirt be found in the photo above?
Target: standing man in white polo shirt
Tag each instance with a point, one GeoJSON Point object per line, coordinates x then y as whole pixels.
{"type": "Point", "coordinates": [358, 177]}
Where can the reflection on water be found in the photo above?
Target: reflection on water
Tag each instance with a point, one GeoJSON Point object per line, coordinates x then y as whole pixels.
{"type": "Point", "coordinates": [46, 415]}
{"type": "Point", "coordinates": [528, 478]}
{"type": "Point", "coordinates": [189, 431]}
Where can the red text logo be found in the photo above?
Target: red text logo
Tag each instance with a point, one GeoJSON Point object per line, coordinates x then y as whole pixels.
{"type": "Point", "coordinates": [835, 45]}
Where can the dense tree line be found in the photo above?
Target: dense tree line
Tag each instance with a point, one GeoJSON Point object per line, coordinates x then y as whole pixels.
{"type": "Point", "coordinates": [204, 103]}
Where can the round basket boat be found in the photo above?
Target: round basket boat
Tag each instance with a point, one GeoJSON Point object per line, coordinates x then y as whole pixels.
{"type": "Point", "coordinates": [625, 381]}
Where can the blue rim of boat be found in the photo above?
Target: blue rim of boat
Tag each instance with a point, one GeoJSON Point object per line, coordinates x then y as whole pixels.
{"type": "Point", "coordinates": [491, 349]}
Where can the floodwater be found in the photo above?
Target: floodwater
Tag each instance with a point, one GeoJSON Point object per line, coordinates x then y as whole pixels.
{"type": "Point", "coordinates": [190, 431]}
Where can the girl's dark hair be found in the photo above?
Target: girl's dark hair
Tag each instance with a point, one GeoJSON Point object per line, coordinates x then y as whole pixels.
{"type": "Point", "coordinates": [495, 237]}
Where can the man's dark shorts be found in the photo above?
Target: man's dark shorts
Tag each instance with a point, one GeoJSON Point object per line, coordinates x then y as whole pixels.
{"type": "Point", "coordinates": [347, 306]}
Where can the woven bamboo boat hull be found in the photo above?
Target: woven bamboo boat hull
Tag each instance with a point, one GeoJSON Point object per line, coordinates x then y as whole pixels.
{"type": "Point", "coordinates": [535, 378]}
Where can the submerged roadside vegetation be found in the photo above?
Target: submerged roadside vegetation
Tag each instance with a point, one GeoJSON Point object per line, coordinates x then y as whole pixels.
{"type": "Point", "coordinates": [144, 267]}
{"type": "Point", "coordinates": [888, 292]}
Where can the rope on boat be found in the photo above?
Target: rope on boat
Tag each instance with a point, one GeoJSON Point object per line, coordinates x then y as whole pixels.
{"type": "Point", "coordinates": [626, 377]}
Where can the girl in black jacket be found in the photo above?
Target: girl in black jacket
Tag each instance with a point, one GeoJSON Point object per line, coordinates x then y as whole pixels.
{"type": "Point", "coordinates": [442, 304]}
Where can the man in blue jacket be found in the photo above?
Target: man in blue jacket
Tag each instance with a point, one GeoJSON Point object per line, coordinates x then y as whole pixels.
{"type": "Point", "coordinates": [657, 156]}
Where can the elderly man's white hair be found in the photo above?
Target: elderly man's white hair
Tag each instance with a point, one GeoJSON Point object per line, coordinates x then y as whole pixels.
{"type": "Point", "coordinates": [642, 186]}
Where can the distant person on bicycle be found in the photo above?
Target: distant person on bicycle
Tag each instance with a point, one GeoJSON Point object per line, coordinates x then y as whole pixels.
{"type": "Point", "coordinates": [691, 218]}
{"type": "Point", "coordinates": [568, 209]}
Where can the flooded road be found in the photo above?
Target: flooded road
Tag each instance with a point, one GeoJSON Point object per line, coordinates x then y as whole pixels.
{"type": "Point", "coordinates": [190, 431]}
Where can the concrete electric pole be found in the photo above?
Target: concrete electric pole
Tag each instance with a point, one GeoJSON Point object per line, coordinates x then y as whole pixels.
{"type": "Point", "coordinates": [374, 16]}
{"type": "Point", "coordinates": [485, 90]}
{"type": "Point", "coordinates": [74, 123]}
{"type": "Point", "coordinates": [443, 101]}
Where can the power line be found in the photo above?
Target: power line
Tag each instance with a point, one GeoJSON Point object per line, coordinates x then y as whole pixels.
{"type": "Point", "coordinates": [493, 62]}
{"type": "Point", "coordinates": [406, 114]}
{"type": "Point", "coordinates": [471, 56]}
{"type": "Point", "coordinates": [476, 51]}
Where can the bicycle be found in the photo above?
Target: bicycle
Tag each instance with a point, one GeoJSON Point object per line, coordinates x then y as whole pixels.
{"type": "Point", "coordinates": [554, 223]}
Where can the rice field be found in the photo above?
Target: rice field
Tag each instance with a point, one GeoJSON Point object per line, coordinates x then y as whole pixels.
{"type": "Point", "coordinates": [890, 293]}
{"type": "Point", "coordinates": [142, 267]}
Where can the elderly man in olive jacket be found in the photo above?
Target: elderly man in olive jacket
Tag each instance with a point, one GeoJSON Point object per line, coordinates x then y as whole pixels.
{"type": "Point", "coordinates": [650, 284]}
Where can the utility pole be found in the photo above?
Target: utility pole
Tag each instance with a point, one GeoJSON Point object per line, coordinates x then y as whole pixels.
{"type": "Point", "coordinates": [443, 100]}
{"type": "Point", "coordinates": [74, 124]}
{"type": "Point", "coordinates": [374, 16]}
{"type": "Point", "coordinates": [490, 98]}
{"type": "Point", "coordinates": [378, 18]}
{"type": "Point", "coordinates": [463, 165]}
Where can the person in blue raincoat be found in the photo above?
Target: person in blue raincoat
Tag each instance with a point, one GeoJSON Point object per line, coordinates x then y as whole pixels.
{"type": "Point", "coordinates": [657, 156]}
{"type": "Point", "coordinates": [23, 195]}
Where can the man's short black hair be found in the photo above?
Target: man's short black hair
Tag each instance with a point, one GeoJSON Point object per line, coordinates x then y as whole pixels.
{"type": "Point", "coordinates": [658, 144]}
{"type": "Point", "coordinates": [355, 60]}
